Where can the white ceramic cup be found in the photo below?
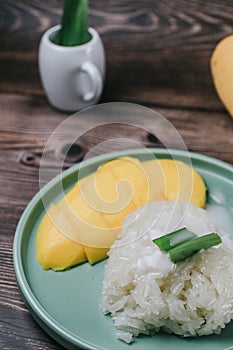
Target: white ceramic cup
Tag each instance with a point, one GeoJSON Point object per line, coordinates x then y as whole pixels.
{"type": "Point", "coordinates": [72, 76]}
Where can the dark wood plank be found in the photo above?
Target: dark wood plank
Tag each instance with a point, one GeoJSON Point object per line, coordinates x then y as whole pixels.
{"type": "Point", "coordinates": [156, 52]}
{"type": "Point", "coordinates": [26, 134]}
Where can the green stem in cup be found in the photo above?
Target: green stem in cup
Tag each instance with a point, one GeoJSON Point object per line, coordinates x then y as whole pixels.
{"type": "Point", "coordinates": [74, 28]}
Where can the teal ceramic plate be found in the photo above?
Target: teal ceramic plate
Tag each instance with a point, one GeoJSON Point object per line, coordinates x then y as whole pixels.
{"type": "Point", "coordinates": [66, 304]}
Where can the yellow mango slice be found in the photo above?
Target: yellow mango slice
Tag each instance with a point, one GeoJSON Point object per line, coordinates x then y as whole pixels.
{"type": "Point", "coordinates": [128, 179]}
{"type": "Point", "coordinates": [88, 225]}
{"type": "Point", "coordinates": [222, 72]}
{"type": "Point", "coordinates": [100, 192]}
{"type": "Point", "coordinates": [178, 181]}
{"type": "Point", "coordinates": [95, 254]}
{"type": "Point", "coordinates": [155, 183]}
{"type": "Point", "coordinates": [91, 231]}
{"type": "Point", "coordinates": [79, 221]}
{"type": "Point", "coordinates": [131, 178]}
{"type": "Point", "coordinates": [53, 249]}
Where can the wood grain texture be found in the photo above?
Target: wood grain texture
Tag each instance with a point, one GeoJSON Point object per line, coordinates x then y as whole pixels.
{"type": "Point", "coordinates": [162, 49]}
{"type": "Point", "coordinates": [157, 55]}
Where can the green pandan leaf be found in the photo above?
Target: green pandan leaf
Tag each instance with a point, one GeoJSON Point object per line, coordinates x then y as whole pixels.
{"type": "Point", "coordinates": [182, 244]}
{"type": "Point", "coordinates": [192, 246]}
{"type": "Point", "coordinates": [171, 240]}
{"type": "Point", "coordinates": [74, 28]}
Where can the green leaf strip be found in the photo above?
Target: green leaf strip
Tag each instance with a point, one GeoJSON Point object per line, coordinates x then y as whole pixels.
{"type": "Point", "coordinates": [173, 239]}
{"type": "Point", "coordinates": [192, 246]}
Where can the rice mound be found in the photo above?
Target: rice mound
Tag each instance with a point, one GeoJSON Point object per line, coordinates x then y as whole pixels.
{"type": "Point", "coordinates": [195, 298]}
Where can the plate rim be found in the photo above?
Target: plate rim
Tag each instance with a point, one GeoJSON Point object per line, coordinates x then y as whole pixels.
{"type": "Point", "coordinates": [42, 317]}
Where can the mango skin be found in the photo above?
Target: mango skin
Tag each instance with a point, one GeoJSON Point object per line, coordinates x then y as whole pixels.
{"type": "Point", "coordinates": [221, 64]}
{"type": "Point", "coordinates": [76, 214]}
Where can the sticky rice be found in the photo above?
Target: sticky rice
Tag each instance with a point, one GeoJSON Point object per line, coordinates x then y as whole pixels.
{"type": "Point", "coordinates": [191, 298]}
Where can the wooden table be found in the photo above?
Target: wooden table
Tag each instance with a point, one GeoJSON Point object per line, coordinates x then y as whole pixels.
{"type": "Point", "coordinates": [158, 55]}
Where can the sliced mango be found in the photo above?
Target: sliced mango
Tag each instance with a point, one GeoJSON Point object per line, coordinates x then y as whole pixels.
{"type": "Point", "coordinates": [177, 181]}
{"type": "Point", "coordinates": [54, 250]}
{"type": "Point", "coordinates": [127, 178]}
{"type": "Point", "coordinates": [91, 231]}
{"type": "Point", "coordinates": [183, 183]}
{"type": "Point", "coordinates": [90, 226]}
{"type": "Point", "coordinates": [131, 178]}
{"type": "Point", "coordinates": [155, 183]}
{"type": "Point", "coordinates": [95, 254]}
{"type": "Point", "coordinates": [85, 222]}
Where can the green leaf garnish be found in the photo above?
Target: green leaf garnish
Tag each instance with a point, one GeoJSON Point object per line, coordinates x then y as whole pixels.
{"type": "Point", "coordinates": [192, 246]}
{"type": "Point", "coordinates": [182, 244]}
{"type": "Point", "coordinates": [171, 240]}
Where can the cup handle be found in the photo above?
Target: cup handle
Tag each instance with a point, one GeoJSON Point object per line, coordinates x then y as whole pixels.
{"type": "Point", "coordinates": [96, 81]}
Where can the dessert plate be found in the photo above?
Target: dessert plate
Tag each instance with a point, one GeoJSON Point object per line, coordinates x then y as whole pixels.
{"type": "Point", "coordinates": [67, 304]}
